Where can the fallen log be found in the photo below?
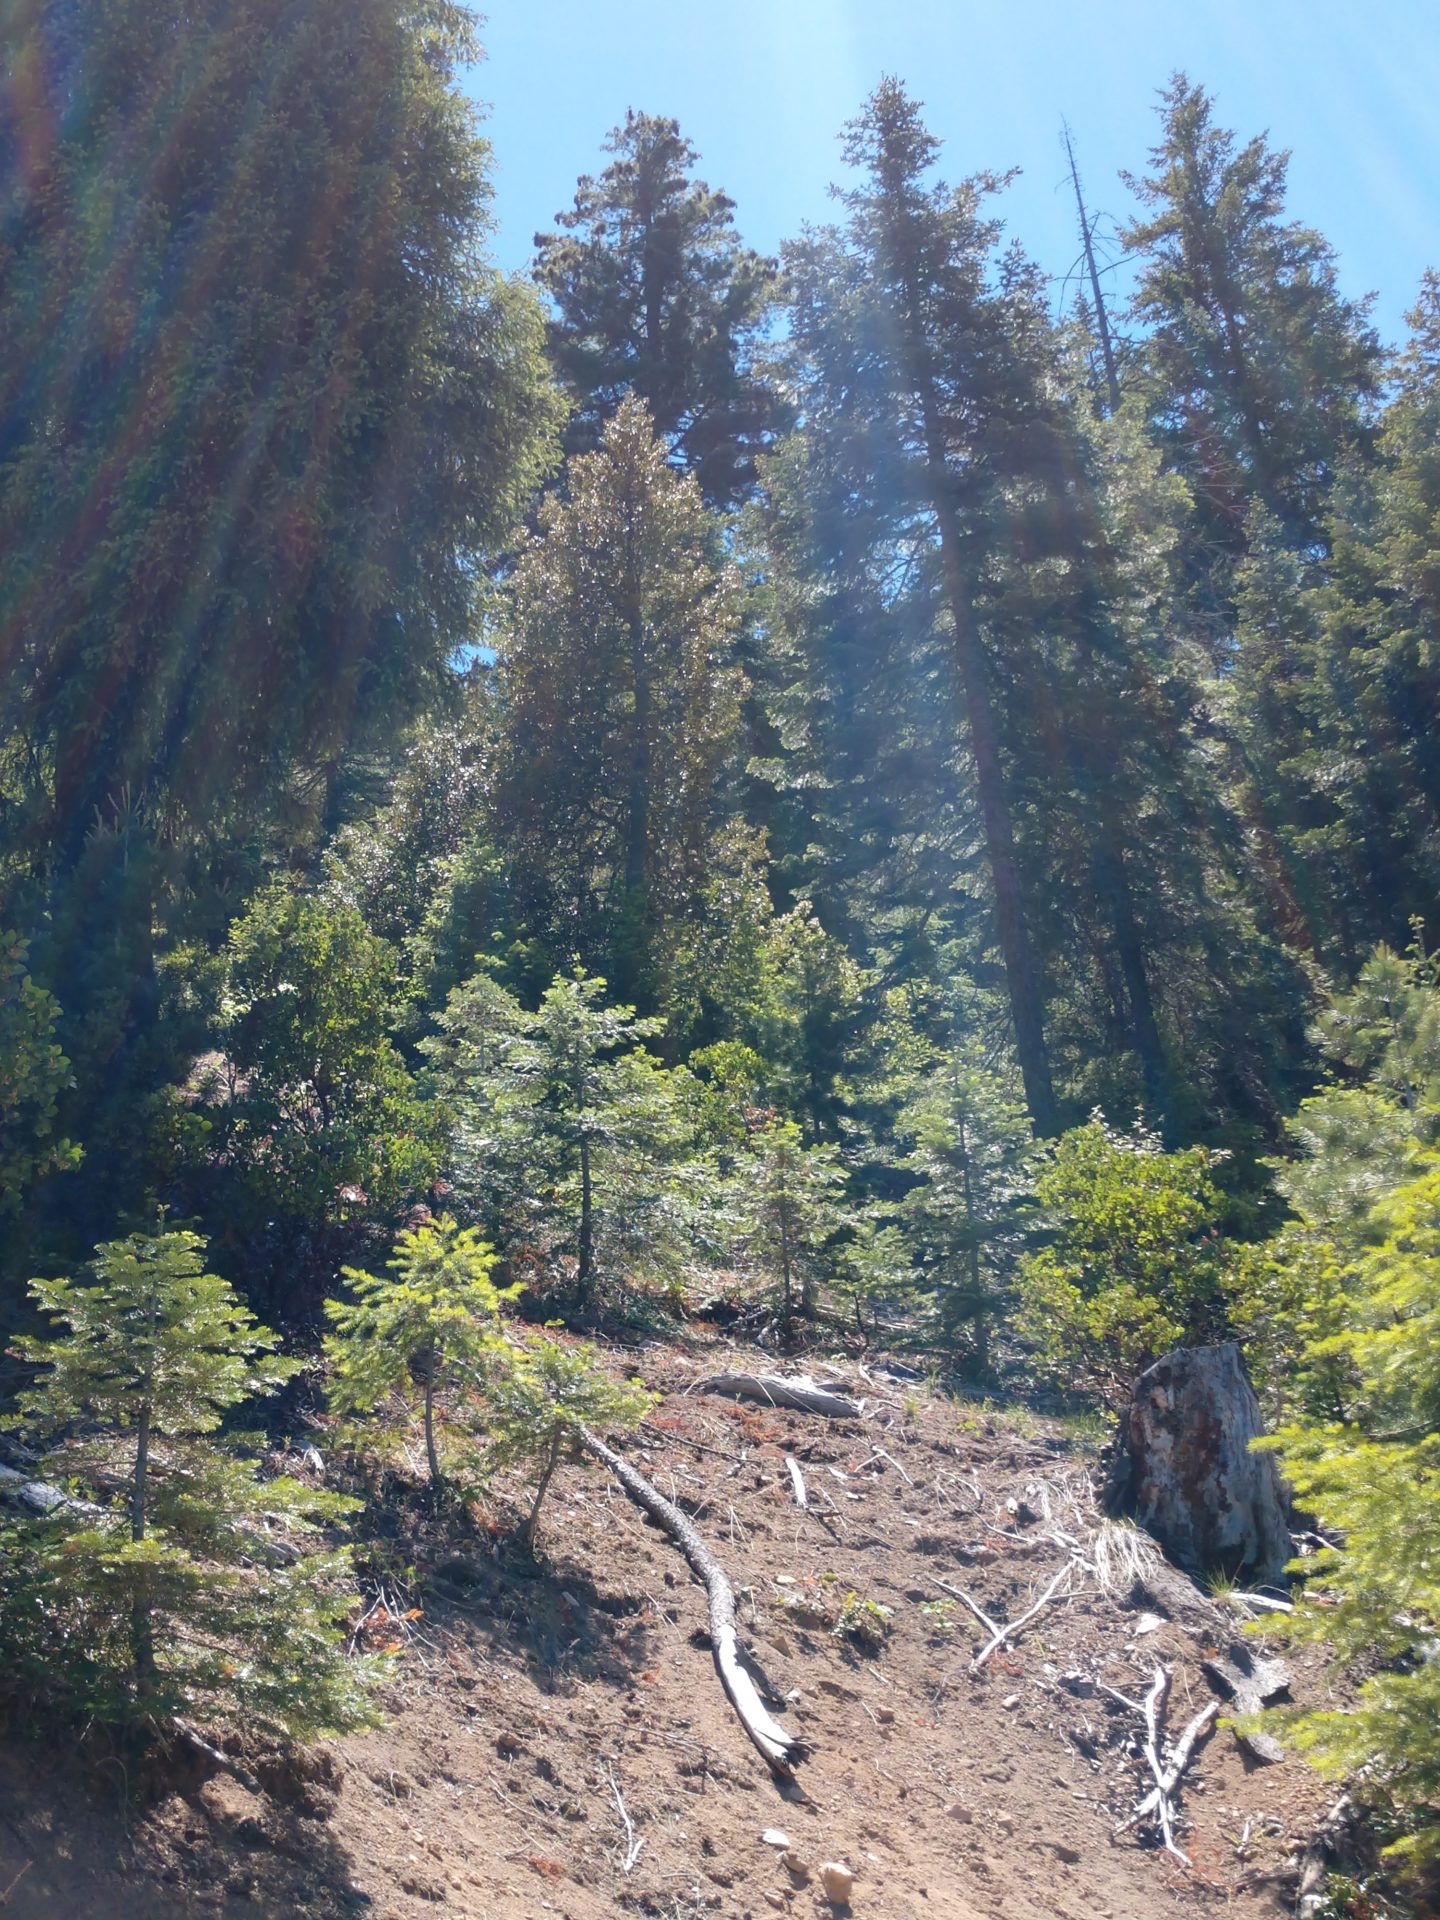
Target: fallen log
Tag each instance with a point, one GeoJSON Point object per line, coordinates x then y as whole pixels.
{"type": "Point", "coordinates": [780, 1748]}
{"type": "Point", "coordinates": [799, 1392]}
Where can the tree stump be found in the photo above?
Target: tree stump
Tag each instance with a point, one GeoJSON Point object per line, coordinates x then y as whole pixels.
{"type": "Point", "coordinates": [1184, 1469]}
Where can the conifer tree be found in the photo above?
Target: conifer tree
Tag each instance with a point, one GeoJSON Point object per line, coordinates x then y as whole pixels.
{"type": "Point", "coordinates": [266, 408]}
{"type": "Point", "coordinates": [656, 296]}
{"type": "Point", "coordinates": [621, 698]}
{"type": "Point", "coordinates": [968, 1149]}
{"type": "Point", "coordinates": [897, 351]}
{"type": "Point", "coordinates": [1265, 374]}
{"type": "Point", "coordinates": [569, 1133]}
{"type": "Point", "coordinates": [541, 1398]}
{"type": "Point", "coordinates": [792, 1201]}
{"type": "Point", "coordinates": [160, 1593]}
{"type": "Point", "coordinates": [435, 1317]}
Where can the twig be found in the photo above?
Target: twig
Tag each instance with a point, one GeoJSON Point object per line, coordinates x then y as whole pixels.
{"type": "Point", "coordinates": [797, 1483]}
{"type": "Point", "coordinates": [1158, 1801]}
{"type": "Point", "coordinates": [1000, 1634]}
{"type": "Point", "coordinates": [632, 1843]}
{"type": "Point", "coordinates": [973, 1604]}
{"type": "Point", "coordinates": [5, 1896]}
{"type": "Point", "coordinates": [881, 1454]}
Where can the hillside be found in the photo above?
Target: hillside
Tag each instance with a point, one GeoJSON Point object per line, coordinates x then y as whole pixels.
{"type": "Point", "coordinates": [532, 1697]}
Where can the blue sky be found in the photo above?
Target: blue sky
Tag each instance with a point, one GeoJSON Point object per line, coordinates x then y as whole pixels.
{"type": "Point", "coordinates": [762, 88]}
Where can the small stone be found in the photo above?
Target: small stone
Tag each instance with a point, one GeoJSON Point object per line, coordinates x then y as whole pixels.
{"type": "Point", "coordinates": [838, 1881]}
{"type": "Point", "coordinates": [1005, 1820]}
{"type": "Point", "coordinates": [885, 1715]}
{"type": "Point", "coordinates": [773, 1837]}
{"type": "Point", "coordinates": [957, 1812]}
{"type": "Point", "coordinates": [798, 1869]}
{"type": "Point", "coordinates": [1011, 1700]}
{"type": "Point", "coordinates": [775, 1899]}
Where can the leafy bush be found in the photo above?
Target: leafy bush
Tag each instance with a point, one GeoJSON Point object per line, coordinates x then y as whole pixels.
{"type": "Point", "coordinates": [1134, 1265]}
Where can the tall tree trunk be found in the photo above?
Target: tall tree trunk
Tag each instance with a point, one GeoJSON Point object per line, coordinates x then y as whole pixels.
{"type": "Point", "coordinates": [1102, 320]}
{"type": "Point", "coordinates": [1022, 976]}
{"type": "Point", "coordinates": [637, 815]}
{"type": "Point", "coordinates": [1117, 898]}
{"type": "Point", "coordinates": [584, 1273]}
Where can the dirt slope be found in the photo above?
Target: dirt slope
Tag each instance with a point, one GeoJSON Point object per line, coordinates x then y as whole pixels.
{"type": "Point", "coordinates": [534, 1700]}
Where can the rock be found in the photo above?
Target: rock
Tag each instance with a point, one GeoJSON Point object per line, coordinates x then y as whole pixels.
{"type": "Point", "coordinates": [798, 1869]}
{"type": "Point", "coordinates": [1183, 1467]}
{"type": "Point", "coordinates": [838, 1881]}
{"type": "Point", "coordinates": [957, 1812]}
{"type": "Point", "coordinates": [773, 1837]}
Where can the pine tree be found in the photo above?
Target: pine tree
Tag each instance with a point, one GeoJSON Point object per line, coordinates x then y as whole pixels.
{"type": "Point", "coordinates": [541, 1398]}
{"type": "Point", "coordinates": [656, 296]}
{"type": "Point", "coordinates": [897, 352]}
{"type": "Point", "coordinates": [792, 1205]}
{"type": "Point", "coordinates": [436, 1317]}
{"type": "Point", "coordinates": [569, 1134]}
{"type": "Point", "coordinates": [620, 696]}
{"type": "Point", "coordinates": [266, 410]}
{"type": "Point", "coordinates": [1264, 373]}
{"type": "Point", "coordinates": [968, 1149]}
{"type": "Point", "coordinates": [163, 1593]}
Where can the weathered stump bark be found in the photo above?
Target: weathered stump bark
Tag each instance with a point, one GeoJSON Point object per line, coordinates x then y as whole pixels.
{"type": "Point", "coordinates": [1184, 1469]}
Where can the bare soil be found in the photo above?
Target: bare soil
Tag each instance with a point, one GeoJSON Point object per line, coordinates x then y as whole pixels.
{"type": "Point", "coordinates": [534, 1700]}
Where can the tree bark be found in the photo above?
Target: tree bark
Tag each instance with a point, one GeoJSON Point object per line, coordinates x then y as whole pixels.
{"type": "Point", "coordinates": [584, 1272]}
{"type": "Point", "coordinates": [431, 1362]}
{"type": "Point", "coordinates": [1184, 1469]}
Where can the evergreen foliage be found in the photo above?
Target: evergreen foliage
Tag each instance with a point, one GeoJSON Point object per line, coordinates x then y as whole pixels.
{"type": "Point", "coordinates": [164, 1586]}
{"type": "Point", "coordinates": [656, 297]}
{"type": "Point", "coordinates": [547, 1391]}
{"type": "Point", "coordinates": [432, 1320]}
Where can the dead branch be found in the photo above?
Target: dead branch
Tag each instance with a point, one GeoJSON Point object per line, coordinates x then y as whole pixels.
{"type": "Point", "coordinates": [775, 1390]}
{"type": "Point", "coordinates": [632, 1844]}
{"type": "Point", "coordinates": [1000, 1634]}
{"type": "Point", "coordinates": [797, 1483]}
{"type": "Point", "coordinates": [780, 1748]}
{"type": "Point", "coordinates": [1159, 1801]}
{"type": "Point", "coordinates": [187, 1736]}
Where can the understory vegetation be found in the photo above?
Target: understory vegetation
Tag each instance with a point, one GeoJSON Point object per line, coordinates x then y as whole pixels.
{"type": "Point", "coordinates": [814, 796]}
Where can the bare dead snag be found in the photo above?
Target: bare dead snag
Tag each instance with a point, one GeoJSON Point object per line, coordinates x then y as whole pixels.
{"type": "Point", "coordinates": [780, 1748]}
{"type": "Point", "coordinates": [776, 1390]}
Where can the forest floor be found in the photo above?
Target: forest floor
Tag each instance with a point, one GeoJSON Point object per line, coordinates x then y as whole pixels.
{"type": "Point", "coordinates": [534, 1700]}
